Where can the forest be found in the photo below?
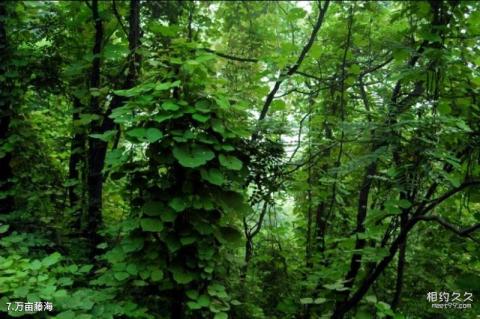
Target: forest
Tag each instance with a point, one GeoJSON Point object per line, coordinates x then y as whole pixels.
{"type": "Point", "coordinates": [240, 159]}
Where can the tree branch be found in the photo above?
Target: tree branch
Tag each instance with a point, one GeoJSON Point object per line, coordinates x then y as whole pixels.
{"type": "Point", "coordinates": [230, 57]}
{"type": "Point", "coordinates": [446, 196]}
{"type": "Point", "coordinates": [119, 18]}
{"type": "Point", "coordinates": [464, 232]}
{"type": "Point", "coordinates": [291, 70]}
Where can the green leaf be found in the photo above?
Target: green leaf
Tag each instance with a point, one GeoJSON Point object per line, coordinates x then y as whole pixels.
{"type": "Point", "coordinates": [153, 208]}
{"type": "Point", "coordinates": [336, 286]}
{"type": "Point", "coordinates": [319, 301]}
{"type": "Point", "coordinates": [131, 244]}
{"type": "Point", "coordinates": [278, 105]}
{"type": "Point", "coordinates": [371, 299]}
{"type": "Point", "coordinates": [218, 126]}
{"type": "Point", "coordinates": [187, 240]}
{"type": "Point", "coordinates": [156, 275]}
{"type": "Point", "coordinates": [220, 315]}
{"type": "Point", "coordinates": [403, 203]}
{"type": "Point", "coordinates": [153, 134]}
{"type": "Point", "coordinates": [168, 215]}
{"type": "Point", "coordinates": [193, 305]}
{"type": "Point", "coordinates": [146, 135]}
{"type": "Point", "coordinates": [162, 117]}
{"type": "Point", "coordinates": [106, 137]}
{"type": "Point", "coordinates": [192, 156]}
{"type": "Point", "coordinates": [203, 301]}
{"type": "Point", "coordinates": [200, 117]}
{"type": "Point", "coordinates": [132, 269]}
{"type": "Point", "coordinates": [354, 69]}
{"type": "Point", "coordinates": [36, 265]}
{"type": "Point", "coordinates": [192, 294]}
{"type": "Point", "coordinates": [138, 132]}
{"type": "Point", "coordinates": [306, 301]}
{"type": "Point", "coordinates": [151, 224]}
{"type": "Point", "coordinates": [202, 106]}
{"type": "Point", "coordinates": [217, 290]}
{"type": "Point", "coordinates": [52, 259]}
{"type": "Point", "coordinates": [166, 85]}
{"type": "Point", "coordinates": [121, 275]}
{"type": "Point", "coordinates": [178, 204]}
{"type": "Point", "coordinates": [166, 31]}
{"type": "Point", "coordinates": [444, 108]}
{"type": "Point", "coordinates": [170, 106]}
{"type": "Point", "coordinates": [85, 268]}
{"type": "Point", "coordinates": [453, 179]}
{"type": "Point", "coordinates": [4, 228]}
{"type": "Point", "coordinates": [384, 308]}
{"type": "Point", "coordinates": [230, 162]}
{"type": "Point", "coordinates": [295, 14]}
{"type": "Point", "coordinates": [213, 175]}
{"type": "Point", "coordinates": [127, 93]}
{"type": "Point", "coordinates": [235, 302]}
{"type": "Point", "coordinates": [362, 314]}
{"type": "Point", "coordinates": [182, 277]}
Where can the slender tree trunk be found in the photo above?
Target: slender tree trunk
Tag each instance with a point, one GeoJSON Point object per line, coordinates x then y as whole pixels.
{"type": "Point", "coordinates": [178, 306]}
{"type": "Point", "coordinates": [372, 277]}
{"type": "Point", "coordinates": [250, 235]}
{"type": "Point", "coordinates": [6, 199]}
{"type": "Point", "coordinates": [94, 167]}
{"type": "Point", "coordinates": [77, 152]}
{"type": "Point", "coordinates": [247, 258]}
{"type": "Point", "coordinates": [98, 148]}
{"type": "Point", "coordinates": [355, 262]}
{"type": "Point", "coordinates": [320, 226]}
{"type": "Point", "coordinates": [400, 272]}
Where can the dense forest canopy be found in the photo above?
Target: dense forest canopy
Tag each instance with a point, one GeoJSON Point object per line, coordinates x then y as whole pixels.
{"type": "Point", "coordinates": [240, 159]}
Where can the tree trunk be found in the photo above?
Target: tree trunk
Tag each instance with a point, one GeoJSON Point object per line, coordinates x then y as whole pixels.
{"type": "Point", "coordinates": [6, 198]}
{"type": "Point", "coordinates": [98, 148]}
{"type": "Point", "coordinates": [247, 258]}
{"type": "Point", "coordinates": [402, 252]}
{"type": "Point", "coordinates": [343, 308]}
{"type": "Point", "coordinates": [94, 166]}
{"type": "Point", "coordinates": [400, 272]}
{"type": "Point", "coordinates": [77, 152]}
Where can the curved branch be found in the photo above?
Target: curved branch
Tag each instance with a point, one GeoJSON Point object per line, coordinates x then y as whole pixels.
{"type": "Point", "coordinates": [447, 195]}
{"type": "Point", "coordinates": [464, 232]}
{"type": "Point", "coordinates": [291, 70]}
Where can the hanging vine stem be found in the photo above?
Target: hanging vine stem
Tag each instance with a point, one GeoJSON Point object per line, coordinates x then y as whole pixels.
{"type": "Point", "coordinates": [308, 246]}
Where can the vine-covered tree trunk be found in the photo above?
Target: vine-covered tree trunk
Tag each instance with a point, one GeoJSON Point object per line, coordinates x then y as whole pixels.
{"type": "Point", "coordinates": [98, 148]}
